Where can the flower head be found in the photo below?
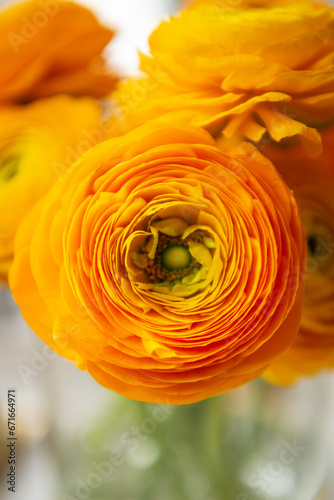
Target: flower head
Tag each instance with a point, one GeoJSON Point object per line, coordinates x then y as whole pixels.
{"type": "Point", "coordinates": [251, 70]}
{"type": "Point", "coordinates": [38, 142]}
{"type": "Point", "coordinates": [51, 47]}
{"type": "Point", "coordinates": [167, 269]}
{"type": "Point", "coordinates": [312, 183]}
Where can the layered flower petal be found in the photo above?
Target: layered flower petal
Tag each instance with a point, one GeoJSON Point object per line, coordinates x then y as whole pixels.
{"type": "Point", "coordinates": [249, 69]}
{"type": "Point", "coordinates": [168, 270]}
{"type": "Point", "coordinates": [313, 185]}
{"type": "Point", "coordinates": [38, 142]}
{"type": "Point", "coordinates": [49, 47]}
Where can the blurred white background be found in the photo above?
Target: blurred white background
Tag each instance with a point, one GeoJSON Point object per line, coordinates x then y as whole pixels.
{"type": "Point", "coordinates": [133, 21]}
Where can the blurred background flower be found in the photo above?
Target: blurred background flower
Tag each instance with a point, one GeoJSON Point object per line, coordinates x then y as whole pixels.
{"type": "Point", "coordinates": [312, 182]}
{"type": "Point", "coordinates": [46, 53]}
{"type": "Point", "coordinates": [38, 143]}
{"type": "Point", "coordinates": [261, 72]}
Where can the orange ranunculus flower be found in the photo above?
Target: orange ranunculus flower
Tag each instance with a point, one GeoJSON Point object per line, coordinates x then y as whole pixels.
{"type": "Point", "coordinates": [49, 47]}
{"type": "Point", "coordinates": [38, 142]}
{"type": "Point", "coordinates": [167, 269]}
{"type": "Point", "coordinates": [313, 186]}
{"type": "Point", "coordinates": [245, 70]}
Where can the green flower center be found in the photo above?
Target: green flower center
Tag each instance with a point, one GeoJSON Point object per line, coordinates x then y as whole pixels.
{"type": "Point", "coordinates": [312, 245]}
{"type": "Point", "coordinates": [172, 260]}
{"type": "Point", "coordinates": [9, 167]}
{"type": "Point", "coordinates": [320, 243]}
{"type": "Point", "coordinates": [176, 257]}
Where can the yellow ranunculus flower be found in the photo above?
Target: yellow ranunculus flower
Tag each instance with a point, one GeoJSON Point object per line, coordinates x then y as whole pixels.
{"type": "Point", "coordinates": [313, 184]}
{"type": "Point", "coordinates": [168, 270]}
{"type": "Point", "coordinates": [38, 142]}
{"type": "Point", "coordinates": [246, 70]}
{"type": "Point", "coordinates": [49, 47]}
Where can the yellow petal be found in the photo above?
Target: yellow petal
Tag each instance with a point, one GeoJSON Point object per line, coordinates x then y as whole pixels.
{"type": "Point", "coordinates": [155, 233]}
{"type": "Point", "coordinates": [201, 253]}
{"type": "Point", "coordinates": [139, 259]}
{"type": "Point", "coordinates": [209, 242]}
{"type": "Point", "coordinates": [195, 277]}
{"type": "Point", "coordinates": [174, 226]}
